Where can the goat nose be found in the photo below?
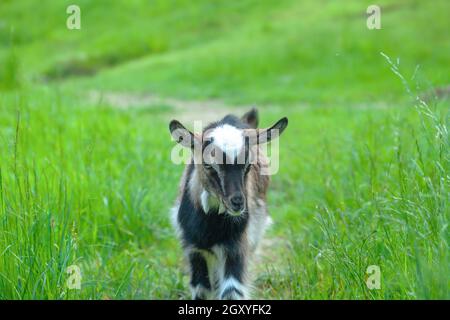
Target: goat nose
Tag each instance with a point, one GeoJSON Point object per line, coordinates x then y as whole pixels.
{"type": "Point", "coordinates": [237, 202]}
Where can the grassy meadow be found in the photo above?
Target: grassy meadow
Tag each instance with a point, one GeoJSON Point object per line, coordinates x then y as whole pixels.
{"type": "Point", "coordinates": [85, 172]}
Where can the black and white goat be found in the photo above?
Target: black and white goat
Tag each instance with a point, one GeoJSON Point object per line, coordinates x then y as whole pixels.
{"type": "Point", "coordinates": [221, 212]}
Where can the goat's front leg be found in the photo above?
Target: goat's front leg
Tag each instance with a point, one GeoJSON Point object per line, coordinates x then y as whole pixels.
{"type": "Point", "coordinates": [232, 286]}
{"type": "Point", "coordinates": [200, 284]}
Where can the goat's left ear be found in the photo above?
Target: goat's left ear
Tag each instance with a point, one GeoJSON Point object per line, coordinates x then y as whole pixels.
{"type": "Point", "coordinates": [251, 118]}
{"type": "Point", "coordinates": [265, 135]}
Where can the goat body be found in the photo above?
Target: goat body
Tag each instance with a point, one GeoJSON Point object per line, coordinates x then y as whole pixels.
{"type": "Point", "coordinates": [221, 215]}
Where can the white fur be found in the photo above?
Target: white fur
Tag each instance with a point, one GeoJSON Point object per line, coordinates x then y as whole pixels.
{"type": "Point", "coordinates": [200, 291]}
{"type": "Point", "coordinates": [204, 200]}
{"type": "Point", "coordinates": [208, 201]}
{"type": "Point", "coordinates": [259, 221]}
{"type": "Point", "coordinates": [231, 282]}
{"type": "Point", "coordinates": [174, 218]}
{"type": "Point", "coordinates": [216, 271]}
{"type": "Point", "coordinates": [229, 139]}
{"type": "Point", "coordinates": [216, 265]}
{"type": "Point", "coordinates": [215, 261]}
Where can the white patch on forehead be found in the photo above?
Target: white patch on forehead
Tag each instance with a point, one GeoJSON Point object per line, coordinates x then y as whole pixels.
{"type": "Point", "coordinates": [229, 139]}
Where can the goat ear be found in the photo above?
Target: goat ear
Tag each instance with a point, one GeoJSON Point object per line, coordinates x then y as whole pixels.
{"type": "Point", "coordinates": [182, 135]}
{"type": "Point", "coordinates": [265, 135]}
{"type": "Point", "coordinates": [251, 118]}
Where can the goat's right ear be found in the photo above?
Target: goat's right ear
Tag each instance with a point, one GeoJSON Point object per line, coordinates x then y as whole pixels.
{"type": "Point", "coordinates": [182, 135]}
{"type": "Point", "coordinates": [251, 118]}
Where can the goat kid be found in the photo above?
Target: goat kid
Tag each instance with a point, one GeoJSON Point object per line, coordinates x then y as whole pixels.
{"type": "Point", "coordinates": [221, 213]}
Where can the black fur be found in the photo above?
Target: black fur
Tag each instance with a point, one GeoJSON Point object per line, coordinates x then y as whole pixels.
{"type": "Point", "coordinates": [230, 120]}
{"type": "Point", "coordinates": [234, 264]}
{"type": "Point", "coordinates": [199, 272]}
{"type": "Point", "coordinates": [204, 230]}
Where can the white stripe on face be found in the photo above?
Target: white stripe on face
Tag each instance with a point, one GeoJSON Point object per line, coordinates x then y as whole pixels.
{"type": "Point", "coordinates": [229, 139]}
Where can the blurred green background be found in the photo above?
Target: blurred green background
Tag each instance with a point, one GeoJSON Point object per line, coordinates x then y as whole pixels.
{"type": "Point", "coordinates": [85, 171]}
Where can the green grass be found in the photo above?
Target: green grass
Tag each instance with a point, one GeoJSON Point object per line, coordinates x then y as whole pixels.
{"type": "Point", "coordinates": [364, 168]}
{"type": "Point", "coordinates": [305, 53]}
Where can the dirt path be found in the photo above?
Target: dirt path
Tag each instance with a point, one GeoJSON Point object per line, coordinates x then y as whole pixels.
{"type": "Point", "coordinates": [183, 110]}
